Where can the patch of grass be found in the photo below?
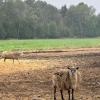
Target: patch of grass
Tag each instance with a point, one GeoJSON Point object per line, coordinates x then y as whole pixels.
{"type": "Point", "coordinates": [48, 44]}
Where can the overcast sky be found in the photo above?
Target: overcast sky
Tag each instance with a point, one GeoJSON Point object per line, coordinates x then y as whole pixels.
{"type": "Point", "coordinates": [59, 3]}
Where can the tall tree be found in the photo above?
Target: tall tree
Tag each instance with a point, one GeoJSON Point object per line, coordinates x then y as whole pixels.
{"type": "Point", "coordinates": [63, 11]}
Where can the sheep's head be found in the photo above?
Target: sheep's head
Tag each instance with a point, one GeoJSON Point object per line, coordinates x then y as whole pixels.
{"type": "Point", "coordinates": [73, 70]}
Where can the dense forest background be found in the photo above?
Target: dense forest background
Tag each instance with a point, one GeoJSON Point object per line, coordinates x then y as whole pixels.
{"type": "Point", "coordinates": [36, 19]}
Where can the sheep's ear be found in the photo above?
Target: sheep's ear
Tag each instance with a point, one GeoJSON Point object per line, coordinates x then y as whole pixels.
{"type": "Point", "coordinates": [77, 68]}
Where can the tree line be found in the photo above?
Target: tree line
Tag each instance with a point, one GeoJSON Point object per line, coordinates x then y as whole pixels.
{"type": "Point", "coordinates": [30, 19]}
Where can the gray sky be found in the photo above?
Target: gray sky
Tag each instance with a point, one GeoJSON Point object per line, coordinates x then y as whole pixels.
{"type": "Point", "coordinates": [59, 3]}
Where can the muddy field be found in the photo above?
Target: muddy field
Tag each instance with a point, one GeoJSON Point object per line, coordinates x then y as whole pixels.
{"type": "Point", "coordinates": [31, 79]}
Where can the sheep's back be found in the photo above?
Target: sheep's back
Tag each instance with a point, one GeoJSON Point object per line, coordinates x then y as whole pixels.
{"type": "Point", "coordinates": [10, 55]}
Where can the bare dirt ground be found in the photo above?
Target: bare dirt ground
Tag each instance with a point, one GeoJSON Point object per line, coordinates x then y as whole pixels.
{"type": "Point", "coordinates": [31, 79]}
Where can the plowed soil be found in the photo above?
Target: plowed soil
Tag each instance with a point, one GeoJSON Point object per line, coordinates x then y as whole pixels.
{"type": "Point", "coordinates": [31, 78]}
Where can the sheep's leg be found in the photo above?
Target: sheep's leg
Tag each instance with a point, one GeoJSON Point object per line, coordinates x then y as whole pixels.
{"type": "Point", "coordinates": [13, 61]}
{"type": "Point", "coordinates": [18, 61]}
{"type": "Point", "coordinates": [69, 94]}
{"type": "Point", "coordinates": [62, 94]}
{"type": "Point", "coordinates": [54, 92]}
{"type": "Point", "coordinates": [4, 59]}
{"type": "Point", "coordinates": [73, 94]}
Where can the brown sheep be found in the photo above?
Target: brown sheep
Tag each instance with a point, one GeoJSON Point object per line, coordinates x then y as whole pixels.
{"type": "Point", "coordinates": [66, 79]}
{"type": "Point", "coordinates": [10, 55]}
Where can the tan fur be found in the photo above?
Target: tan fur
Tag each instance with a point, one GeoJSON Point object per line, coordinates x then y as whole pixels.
{"type": "Point", "coordinates": [64, 80]}
{"type": "Point", "coordinates": [10, 55]}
